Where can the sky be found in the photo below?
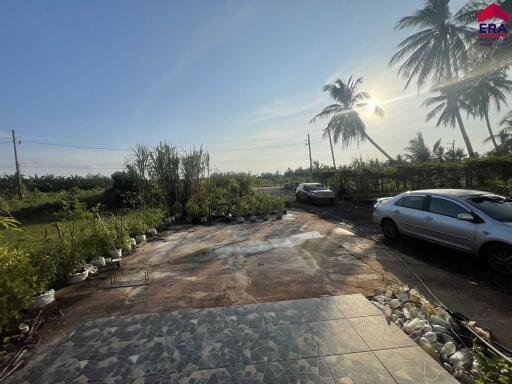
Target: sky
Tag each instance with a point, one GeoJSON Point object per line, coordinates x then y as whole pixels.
{"type": "Point", "coordinates": [83, 82]}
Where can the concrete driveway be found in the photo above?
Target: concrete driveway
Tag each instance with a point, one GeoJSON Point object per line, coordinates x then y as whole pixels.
{"type": "Point", "coordinates": [302, 256]}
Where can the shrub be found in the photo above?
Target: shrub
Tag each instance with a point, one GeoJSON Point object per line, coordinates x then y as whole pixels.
{"type": "Point", "coordinates": [492, 368]}
{"type": "Point", "coordinates": [17, 279]}
{"type": "Point", "coordinates": [68, 250]}
{"type": "Point", "coordinates": [195, 210]}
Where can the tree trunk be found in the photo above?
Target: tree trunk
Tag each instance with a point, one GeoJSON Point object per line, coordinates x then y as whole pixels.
{"type": "Point", "coordinates": [486, 115]}
{"type": "Point", "coordinates": [465, 135]}
{"type": "Point", "coordinates": [378, 147]}
{"type": "Point", "coordinates": [450, 94]}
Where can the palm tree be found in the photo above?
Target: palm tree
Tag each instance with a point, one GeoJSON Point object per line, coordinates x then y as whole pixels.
{"type": "Point", "coordinates": [418, 150]}
{"type": "Point", "coordinates": [447, 105]}
{"type": "Point", "coordinates": [436, 52]}
{"type": "Point", "coordinates": [438, 151]}
{"type": "Point", "coordinates": [345, 120]}
{"type": "Point", "coordinates": [504, 136]}
{"type": "Point", "coordinates": [484, 89]}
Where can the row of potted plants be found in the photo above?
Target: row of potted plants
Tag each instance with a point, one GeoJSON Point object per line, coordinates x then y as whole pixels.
{"type": "Point", "coordinates": [80, 238]}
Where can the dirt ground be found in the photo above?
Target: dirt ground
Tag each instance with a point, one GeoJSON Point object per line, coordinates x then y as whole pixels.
{"type": "Point", "coordinates": [302, 256]}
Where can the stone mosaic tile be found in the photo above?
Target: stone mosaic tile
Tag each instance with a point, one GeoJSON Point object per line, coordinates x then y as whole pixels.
{"type": "Point", "coordinates": [378, 334]}
{"type": "Point", "coordinates": [355, 306]}
{"type": "Point", "coordinates": [300, 311]}
{"type": "Point", "coordinates": [292, 341]}
{"type": "Point", "coordinates": [413, 366]}
{"type": "Point", "coordinates": [90, 335]}
{"type": "Point", "coordinates": [279, 342]}
{"type": "Point", "coordinates": [245, 316]}
{"type": "Point", "coordinates": [58, 371]}
{"type": "Point", "coordinates": [336, 337]}
{"type": "Point", "coordinates": [358, 368]}
{"type": "Point", "coordinates": [303, 371]}
{"type": "Point", "coordinates": [227, 348]}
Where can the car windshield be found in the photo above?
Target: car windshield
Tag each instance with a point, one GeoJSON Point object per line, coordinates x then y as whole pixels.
{"type": "Point", "coordinates": [497, 207]}
{"type": "Point", "coordinates": [315, 187]}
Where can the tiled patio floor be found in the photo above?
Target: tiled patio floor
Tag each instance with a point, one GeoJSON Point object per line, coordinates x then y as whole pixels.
{"type": "Point", "coordinates": [341, 339]}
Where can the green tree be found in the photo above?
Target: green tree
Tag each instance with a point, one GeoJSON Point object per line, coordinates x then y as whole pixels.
{"type": "Point", "coordinates": [486, 89]}
{"type": "Point", "coordinates": [418, 151]}
{"type": "Point", "coordinates": [504, 136]}
{"type": "Point", "coordinates": [437, 52]}
{"type": "Point", "coordinates": [345, 119]}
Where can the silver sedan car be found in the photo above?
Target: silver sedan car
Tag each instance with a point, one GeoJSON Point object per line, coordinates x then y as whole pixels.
{"type": "Point", "coordinates": [476, 222]}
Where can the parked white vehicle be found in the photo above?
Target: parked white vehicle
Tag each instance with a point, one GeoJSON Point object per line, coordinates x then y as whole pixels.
{"type": "Point", "coordinates": [314, 193]}
{"type": "Point", "coordinates": [475, 222]}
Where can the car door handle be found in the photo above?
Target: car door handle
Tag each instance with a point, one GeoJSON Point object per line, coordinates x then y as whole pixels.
{"type": "Point", "coordinates": [396, 211]}
{"type": "Point", "coordinates": [427, 218]}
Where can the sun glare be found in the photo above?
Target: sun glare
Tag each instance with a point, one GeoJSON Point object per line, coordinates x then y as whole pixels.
{"type": "Point", "coordinates": [371, 106]}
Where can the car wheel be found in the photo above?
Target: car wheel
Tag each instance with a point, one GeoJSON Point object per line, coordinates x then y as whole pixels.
{"type": "Point", "coordinates": [499, 257]}
{"type": "Point", "coordinates": [389, 229]}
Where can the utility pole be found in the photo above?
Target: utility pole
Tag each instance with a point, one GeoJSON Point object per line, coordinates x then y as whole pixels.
{"type": "Point", "coordinates": [332, 150]}
{"type": "Point", "coordinates": [18, 174]}
{"type": "Point", "coordinates": [308, 143]}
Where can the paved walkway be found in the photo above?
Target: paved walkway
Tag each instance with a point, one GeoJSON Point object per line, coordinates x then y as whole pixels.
{"type": "Point", "coordinates": [339, 339]}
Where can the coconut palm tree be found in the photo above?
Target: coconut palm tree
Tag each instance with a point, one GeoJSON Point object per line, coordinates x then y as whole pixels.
{"type": "Point", "coordinates": [418, 150]}
{"type": "Point", "coordinates": [345, 120]}
{"type": "Point", "coordinates": [485, 89]}
{"type": "Point", "coordinates": [437, 52]}
{"type": "Point", "coordinates": [504, 136]}
{"type": "Point", "coordinates": [447, 105]}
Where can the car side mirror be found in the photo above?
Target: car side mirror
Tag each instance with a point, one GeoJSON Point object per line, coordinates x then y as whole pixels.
{"type": "Point", "coordinates": [465, 217]}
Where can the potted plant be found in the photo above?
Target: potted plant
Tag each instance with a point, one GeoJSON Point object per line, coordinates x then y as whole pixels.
{"type": "Point", "coordinates": [46, 268]}
{"type": "Point", "coordinates": [72, 261]}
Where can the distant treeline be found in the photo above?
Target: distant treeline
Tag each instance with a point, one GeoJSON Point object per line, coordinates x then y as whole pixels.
{"type": "Point", "coordinates": [52, 183]}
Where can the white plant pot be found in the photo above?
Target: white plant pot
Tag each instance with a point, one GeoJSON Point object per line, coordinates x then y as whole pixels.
{"type": "Point", "coordinates": [99, 262]}
{"type": "Point", "coordinates": [133, 242]}
{"type": "Point", "coordinates": [140, 238]}
{"type": "Point", "coordinates": [266, 217]}
{"type": "Point", "coordinates": [152, 231]}
{"type": "Point", "coordinates": [204, 220]}
{"type": "Point", "coordinates": [116, 253]}
{"type": "Point", "coordinates": [77, 277]}
{"type": "Point", "coordinates": [44, 299]}
{"type": "Point", "coordinates": [253, 219]}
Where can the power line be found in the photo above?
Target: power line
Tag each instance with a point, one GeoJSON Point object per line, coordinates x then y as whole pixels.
{"type": "Point", "coordinates": [76, 146]}
{"type": "Point", "coordinates": [127, 149]}
{"type": "Point", "coordinates": [184, 142]}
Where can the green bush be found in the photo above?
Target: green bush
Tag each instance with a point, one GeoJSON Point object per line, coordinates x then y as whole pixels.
{"type": "Point", "coordinates": [492, 368]}
{"type": "Point", "coordinates": [17, 279]}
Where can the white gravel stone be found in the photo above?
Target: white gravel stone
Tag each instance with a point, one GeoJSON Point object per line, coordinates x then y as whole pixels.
{"type": "Point", "coordinates": [394, 303]}
{"type": "Point", "coordinates": [448, 349]}
{"type": "Point", "coordinates": [462, 358]}
{"type": "Point", "coordinates": [430, 336]}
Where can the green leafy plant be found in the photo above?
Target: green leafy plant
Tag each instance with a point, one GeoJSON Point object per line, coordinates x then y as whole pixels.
{"type": "Point", "coordinates": [45, 264]}
{"type": "Point", "coordinates": [17, 278]}
{"type": "Point", "coordinates": [492, 368]}
{"type": "Point", "coordinates": [67, 249]}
